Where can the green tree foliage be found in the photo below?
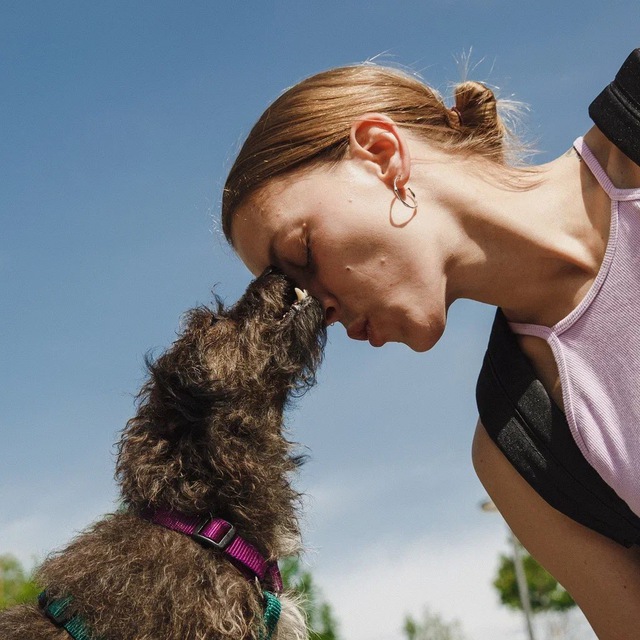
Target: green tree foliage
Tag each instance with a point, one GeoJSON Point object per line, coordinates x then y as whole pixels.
{"type": "Point", "coordinates": [432, 627]}
{"type": "Point", "coordinates": [545, 592]}
{"type": "Point", "coordinates": [320, 619]}
{"type": "Point", "coordinates": [16, 586]}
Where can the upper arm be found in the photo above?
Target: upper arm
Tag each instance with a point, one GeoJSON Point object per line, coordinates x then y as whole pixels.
{"type": "Point", "coordinates": [602, 576]}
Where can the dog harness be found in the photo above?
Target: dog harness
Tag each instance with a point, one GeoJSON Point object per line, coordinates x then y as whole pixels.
{"type": "Point", "coordinates": [58, 612]}
{"type": "Point", "coordinates": [211, 532]}
{"type": "Point", "coordinates": [222, 536]}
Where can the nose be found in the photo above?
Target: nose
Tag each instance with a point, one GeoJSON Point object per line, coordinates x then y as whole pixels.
{"type": "Point", "coordinates": [329, 303]}
{"type": "Point", "coordinates": [330, 314]}
{"type": "Point", "coordinates": [330, 306]}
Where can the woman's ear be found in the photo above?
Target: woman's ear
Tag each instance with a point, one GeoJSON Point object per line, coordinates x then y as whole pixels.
{"type": "Point", "coordinates": [377, 140]}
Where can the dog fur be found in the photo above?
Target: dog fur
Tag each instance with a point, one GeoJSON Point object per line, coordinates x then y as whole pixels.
{"type": "Point", "coordinates": [207, 438]}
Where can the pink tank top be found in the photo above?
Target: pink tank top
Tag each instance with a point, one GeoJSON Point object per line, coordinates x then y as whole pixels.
{"type": "Point", "coordinates": [597, 350]}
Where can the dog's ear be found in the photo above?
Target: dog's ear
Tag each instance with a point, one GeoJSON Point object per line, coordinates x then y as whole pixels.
{"type": "Point", "coordinates": [181, 391]}
{"type": "Point", "coordinates": [182, 398]}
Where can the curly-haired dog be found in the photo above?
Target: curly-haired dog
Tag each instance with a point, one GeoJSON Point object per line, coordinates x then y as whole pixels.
{"type": "Point", "coordinates": [205, 454]}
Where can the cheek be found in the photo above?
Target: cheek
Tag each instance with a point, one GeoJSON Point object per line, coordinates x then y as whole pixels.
{"type": "Point", "coordinates": [356, 257]}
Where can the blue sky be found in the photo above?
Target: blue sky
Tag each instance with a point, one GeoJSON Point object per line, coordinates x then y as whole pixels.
{"type": "Point", "coordinates": [118, 123]}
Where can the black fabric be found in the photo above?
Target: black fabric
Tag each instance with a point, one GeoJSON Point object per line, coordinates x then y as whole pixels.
{"type": "Point", "coordinates": [616, 111]}
{"type": "Point", "coordinates": [532, 432]}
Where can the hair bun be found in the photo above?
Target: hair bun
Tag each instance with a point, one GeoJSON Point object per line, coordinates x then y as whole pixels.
{"type": "Point", "coordinates": [478, 109]}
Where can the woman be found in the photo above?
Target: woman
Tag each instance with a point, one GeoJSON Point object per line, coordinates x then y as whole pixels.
{"type": "Point", "coordinates": [362, 186]}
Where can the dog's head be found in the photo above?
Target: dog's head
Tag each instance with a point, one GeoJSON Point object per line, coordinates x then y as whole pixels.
{"type": "Point", "coordinates": [279, 336]}
{"type": "Point", "coordinates": [207, 436]}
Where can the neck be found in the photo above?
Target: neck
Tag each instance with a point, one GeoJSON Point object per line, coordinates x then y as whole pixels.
{"type": "Point", "coordinates": [530, 247]}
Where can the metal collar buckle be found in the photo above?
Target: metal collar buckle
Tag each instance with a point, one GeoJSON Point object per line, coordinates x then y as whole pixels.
{"type": "Point", "coordinates": [221, 544]}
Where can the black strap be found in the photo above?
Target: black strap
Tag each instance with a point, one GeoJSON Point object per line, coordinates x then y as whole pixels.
{"type": "Point", "coordinates": [616, 111]}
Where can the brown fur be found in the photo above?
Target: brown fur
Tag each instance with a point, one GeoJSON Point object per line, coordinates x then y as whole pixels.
{"type": "Point", "coordinates": [207, 437]}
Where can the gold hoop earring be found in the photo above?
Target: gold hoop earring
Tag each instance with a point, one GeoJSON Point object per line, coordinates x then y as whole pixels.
{"type": "Point", "coordinates": [413, 204]}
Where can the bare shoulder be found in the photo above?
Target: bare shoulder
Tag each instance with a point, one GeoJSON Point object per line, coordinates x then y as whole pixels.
{"type": "Point", "coordinates": [602, 576]}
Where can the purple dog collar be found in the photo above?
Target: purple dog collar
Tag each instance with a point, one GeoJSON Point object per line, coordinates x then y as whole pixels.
{"type": "Point", "coordinates": [221, 535]}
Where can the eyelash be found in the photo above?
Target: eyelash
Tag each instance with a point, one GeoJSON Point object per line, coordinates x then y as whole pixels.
{"type": "Point", "coordinates": [310, 265]}
{"type": "Point", "coordinates": [309, 254]}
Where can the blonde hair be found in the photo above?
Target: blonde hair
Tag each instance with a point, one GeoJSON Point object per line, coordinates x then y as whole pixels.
{"type": "Point", "coordinates": [310, 123]}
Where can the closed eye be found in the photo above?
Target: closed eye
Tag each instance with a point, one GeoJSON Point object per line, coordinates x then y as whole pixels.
{"type": "Point", "coordinates": [294, 256]}
{"type": "Point", "coordinates": [309, 263]}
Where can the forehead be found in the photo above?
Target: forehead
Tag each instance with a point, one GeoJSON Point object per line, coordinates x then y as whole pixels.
{"type": "Point", "coordinates": [281, 206]}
